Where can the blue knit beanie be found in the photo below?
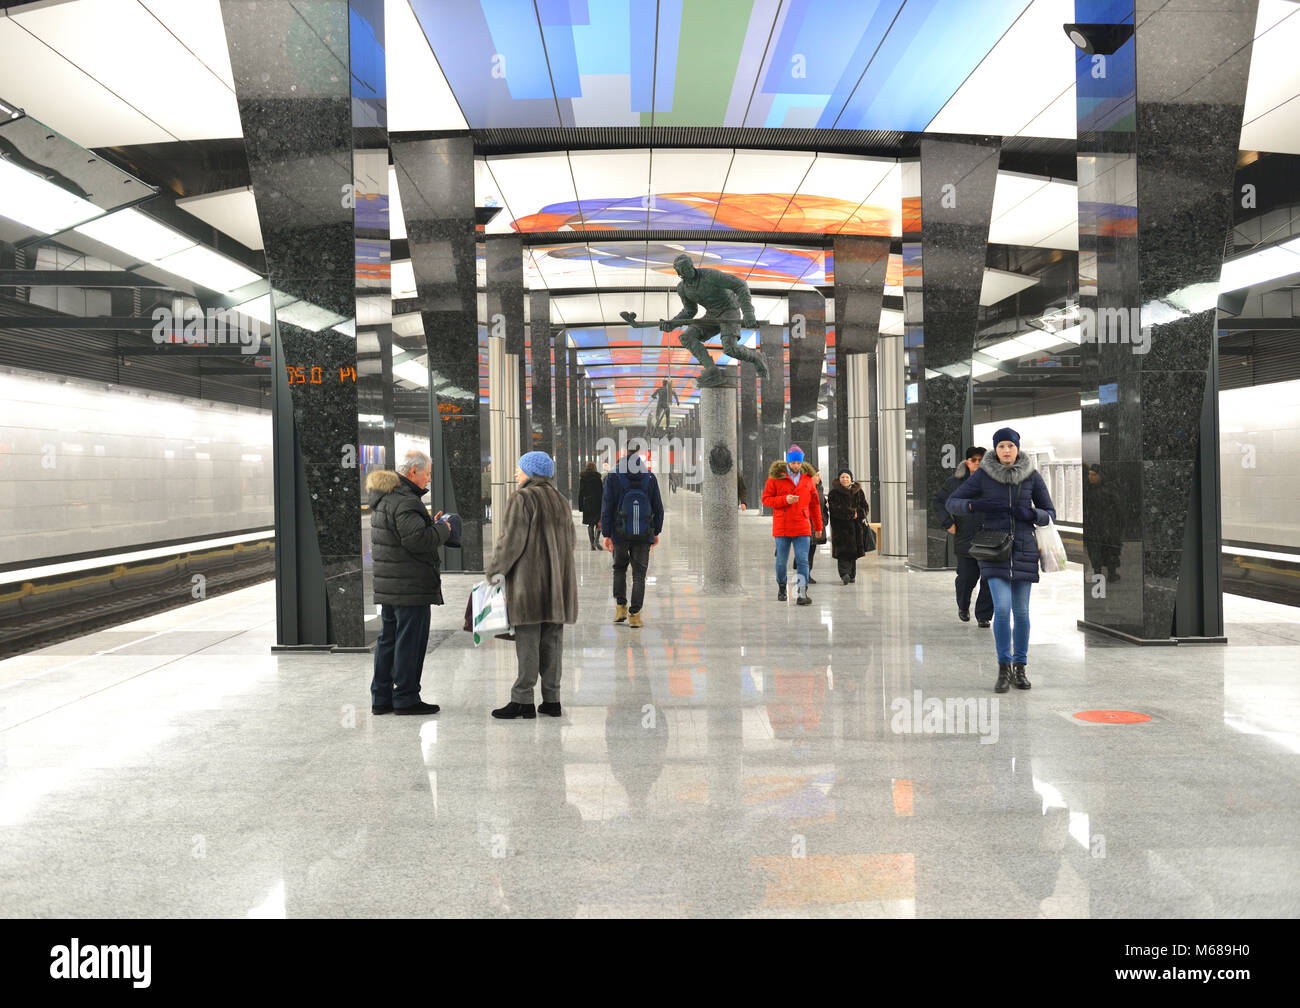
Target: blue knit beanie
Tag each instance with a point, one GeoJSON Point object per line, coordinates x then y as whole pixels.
{"type": "Point", "coordinates": [794, 455]}
{"type": "Point", "coordinates": [537, 463]}
{"type": "Point", "coordinates": [1006, 434]}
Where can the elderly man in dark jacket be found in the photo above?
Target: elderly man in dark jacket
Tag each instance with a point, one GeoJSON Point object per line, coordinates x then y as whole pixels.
{"type": "Point", "coordinates": [964, 527]}
{"type": "Point", "coordinates": [404, 543]}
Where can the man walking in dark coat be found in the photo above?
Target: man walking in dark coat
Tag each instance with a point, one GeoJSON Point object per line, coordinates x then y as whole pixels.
{"type": "Point", "coordinates": [404, 543]}
{"type": "Point", "coordinates": [631, 545]}
{"type": "Point", "coordinates": [963, 528]}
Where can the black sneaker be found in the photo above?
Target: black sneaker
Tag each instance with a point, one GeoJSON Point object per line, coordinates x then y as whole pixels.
{"type": "Point", "coordinates": [780, 593]}
{"type": "Point", "coordinates": [419, 708]}
{"type": "Point", "coordinates": [984, 624]}
{"type": "Point", "coordinates": [1004, 678]}
{"type": "Point", "coordinates": [1018, 678]}
{"type": "Point", "coordinates": [803, 599]}
{"type": "Point", "coordinates": [963, 615]}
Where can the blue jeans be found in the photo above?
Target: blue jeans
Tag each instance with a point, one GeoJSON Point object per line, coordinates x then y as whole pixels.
{"type": "Point", "coordinates": [399, 655]}
{"type": "Point", "coordinates": [1011, 598]}
{"type": "Point", "coordinates": [783, 545]}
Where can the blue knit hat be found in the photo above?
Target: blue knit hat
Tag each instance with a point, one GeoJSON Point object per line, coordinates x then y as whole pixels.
{"type": "Point", "coordinates": [1006, 434]}
{"type": "Point", "coordinates": [795, 454]}
{"type": "Point", "coordinates": [537, 463]}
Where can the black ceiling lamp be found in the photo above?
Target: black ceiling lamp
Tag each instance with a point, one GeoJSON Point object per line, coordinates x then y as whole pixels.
{"type": "Point", "coordinates": [1098, 38]}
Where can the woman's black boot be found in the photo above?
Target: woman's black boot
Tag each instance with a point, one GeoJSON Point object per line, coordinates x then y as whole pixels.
{"type": "Point", "coordinates": [1004, 678]}
{"type": "Point", "coordinates": [1018, 677]}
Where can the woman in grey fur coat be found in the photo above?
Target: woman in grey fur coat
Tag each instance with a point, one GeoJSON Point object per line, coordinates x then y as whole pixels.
{"type": "Point", "coordinates": [534, 555]}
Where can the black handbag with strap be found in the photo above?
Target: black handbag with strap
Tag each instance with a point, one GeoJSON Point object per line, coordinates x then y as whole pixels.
{"type": "Point", "coordinates": [993, 546]}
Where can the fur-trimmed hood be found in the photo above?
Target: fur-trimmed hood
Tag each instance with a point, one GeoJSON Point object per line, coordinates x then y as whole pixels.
{"type": "Point", "coordinates": [383, 481]}
{"type": "Point", "coordinates": [1017, 472]}
{"type": "Point", "coordinates": [778, 469]}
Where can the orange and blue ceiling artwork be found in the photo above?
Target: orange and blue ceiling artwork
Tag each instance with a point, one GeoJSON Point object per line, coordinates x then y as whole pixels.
{"type": "Point", "coordinates": [754, 263]}
{"type": "Point", "coordinates": [793, 64]}
{"type": "Point", "coordinates": [799, 213]}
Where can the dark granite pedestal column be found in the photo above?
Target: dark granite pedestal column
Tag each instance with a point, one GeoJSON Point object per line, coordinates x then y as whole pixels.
{"type": "Point", "coordinates": [563, 481]}
{"type": "Point", "coordinates": [1158, 122]}
{"type": "Point", "coordinates": [957, 179]}
{"type": "Point", "coordinates": [860, 265]}
{"type": "Point", "coordinates": [575, 429]}
{"type": "Point", "coordinates": [539, 338]}
{"type": "Point", "coordinates": [302, 120]}
{"type": "Point", "coordinates": [435, 179]}
{"type": "Point", "coordinates": [772, 403]}
{"type": "Point", "coordinates": [807, 354]}
{"type": "Point", "coordinates": [748, 432]}
{"type": "Point", "coordinates": [505, 314]}
{"type": "Point", "coordinates": [717, 465]}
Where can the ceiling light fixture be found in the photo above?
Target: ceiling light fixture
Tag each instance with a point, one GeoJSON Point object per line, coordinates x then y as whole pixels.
{"type": "Point", "coordinates": [35, 203]}
{"type": "Point", "coordinates": [1098, 38]}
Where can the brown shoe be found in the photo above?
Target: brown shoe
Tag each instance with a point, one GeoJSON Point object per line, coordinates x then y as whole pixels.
{"type": "Point", "coordinates": [620, 613]}
{"type": "Point", "coordinates": [634, 620]}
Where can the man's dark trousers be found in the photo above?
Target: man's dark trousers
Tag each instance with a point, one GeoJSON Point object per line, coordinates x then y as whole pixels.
{"type": "Point", "coordinates": [968, 575]}
{"type": "Point", "coordinates": [399, 655]}
{"type": "Point", "coordinates": [638, 555]}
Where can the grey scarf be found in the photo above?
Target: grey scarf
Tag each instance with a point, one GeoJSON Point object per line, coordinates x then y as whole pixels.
{"type": "Point", "coordinates": [1017, 472]}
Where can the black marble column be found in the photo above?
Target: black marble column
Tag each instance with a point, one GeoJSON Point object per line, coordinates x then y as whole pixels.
{"type": "Point", "coordinates": [772, 402]}
{"type": "Point", "coordinates": [957, 179]}
{"type": "Point", "coordinates": [505, 310]}
{"type": "Point", "coordinates": [564, 482]}
{"type": "Point", "coordinates": [1158, 123]}
{"type": "Point", "coordinates": [860, 265]}
{"type": "Point", "coordinates": [435, 179]}
{"type": "Point", "coordinates": [575, 431]}
{"type": "Point", "coordinates": [299, 132]}
{"type": "Point", "coordinates": [748, 430]}
{"type": "Point", "coordinates": [539, 338]}
{"type": "Point", "coordinates": [807, 353]}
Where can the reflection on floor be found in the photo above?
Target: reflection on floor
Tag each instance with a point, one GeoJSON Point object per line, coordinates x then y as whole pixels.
{"type": "Point", "coordinates": [737, 756]}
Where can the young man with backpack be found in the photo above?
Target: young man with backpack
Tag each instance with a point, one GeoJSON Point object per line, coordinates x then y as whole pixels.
{"type": "Point", "coordinates": [631, 518]}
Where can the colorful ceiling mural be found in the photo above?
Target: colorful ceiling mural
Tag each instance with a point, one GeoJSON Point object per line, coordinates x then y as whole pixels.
{"type": "Point", "coordinates": [826, 64]}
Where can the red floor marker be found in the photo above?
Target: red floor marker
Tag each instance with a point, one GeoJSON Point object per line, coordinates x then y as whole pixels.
{"type": "Point", "coordinates": [1113, 716]}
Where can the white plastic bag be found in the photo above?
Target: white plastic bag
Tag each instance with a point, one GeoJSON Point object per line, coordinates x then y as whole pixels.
{"type": "Point", "coordinates": [1051, 551]}
{"type": "Point", "coordinates": [489, 611]}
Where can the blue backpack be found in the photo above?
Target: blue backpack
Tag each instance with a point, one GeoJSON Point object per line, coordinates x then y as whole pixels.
{"type": "Point", "coordinates": [635, 515]}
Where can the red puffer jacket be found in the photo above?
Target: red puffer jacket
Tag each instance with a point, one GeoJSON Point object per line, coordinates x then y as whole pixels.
{"type": "Point", "coordinates": [804, 516]}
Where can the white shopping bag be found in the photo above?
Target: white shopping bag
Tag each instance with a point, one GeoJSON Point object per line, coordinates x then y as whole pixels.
{"type": "Point", "coordinates": [1051, 551]}
{"type": "Point", "coordinates": [489, 616]}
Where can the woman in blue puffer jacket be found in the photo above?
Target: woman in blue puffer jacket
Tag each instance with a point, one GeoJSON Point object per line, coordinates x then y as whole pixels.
{"type": "Point", "coordinates": [1010, 493]}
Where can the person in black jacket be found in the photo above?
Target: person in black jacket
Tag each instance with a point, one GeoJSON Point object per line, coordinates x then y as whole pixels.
{"type": "Point", "coordinates": [404, 543]}
{"type": "Point", "coordinates": [849, 511]}
{"type": "Point", "coordinates": [631, 473]}
{"type": "Point", "coordinates": [1011, 495]}
{"type": "Point", "coordinates": [963, 528]}
{"type": "Point", "coordinates": [590, 491]}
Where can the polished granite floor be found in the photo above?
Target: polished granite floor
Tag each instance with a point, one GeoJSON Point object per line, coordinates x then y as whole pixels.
{"type": "Point", "coordinates": [736, 757]}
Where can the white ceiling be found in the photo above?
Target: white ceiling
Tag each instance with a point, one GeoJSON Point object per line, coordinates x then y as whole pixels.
{"type": "Point", "coordinates": [1271, 118]}
{"type": "Point", "coordinates": [231, 211]}
{"type": "Point", "coordinates": [119, 72]}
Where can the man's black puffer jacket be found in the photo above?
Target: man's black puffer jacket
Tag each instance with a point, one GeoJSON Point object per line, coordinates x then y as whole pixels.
{"type": "Point", "coordinates": [404, 542]}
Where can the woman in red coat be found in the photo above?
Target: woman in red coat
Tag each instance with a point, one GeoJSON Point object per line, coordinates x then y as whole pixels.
{"type": "Point", "coordinates": [791, 493]}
